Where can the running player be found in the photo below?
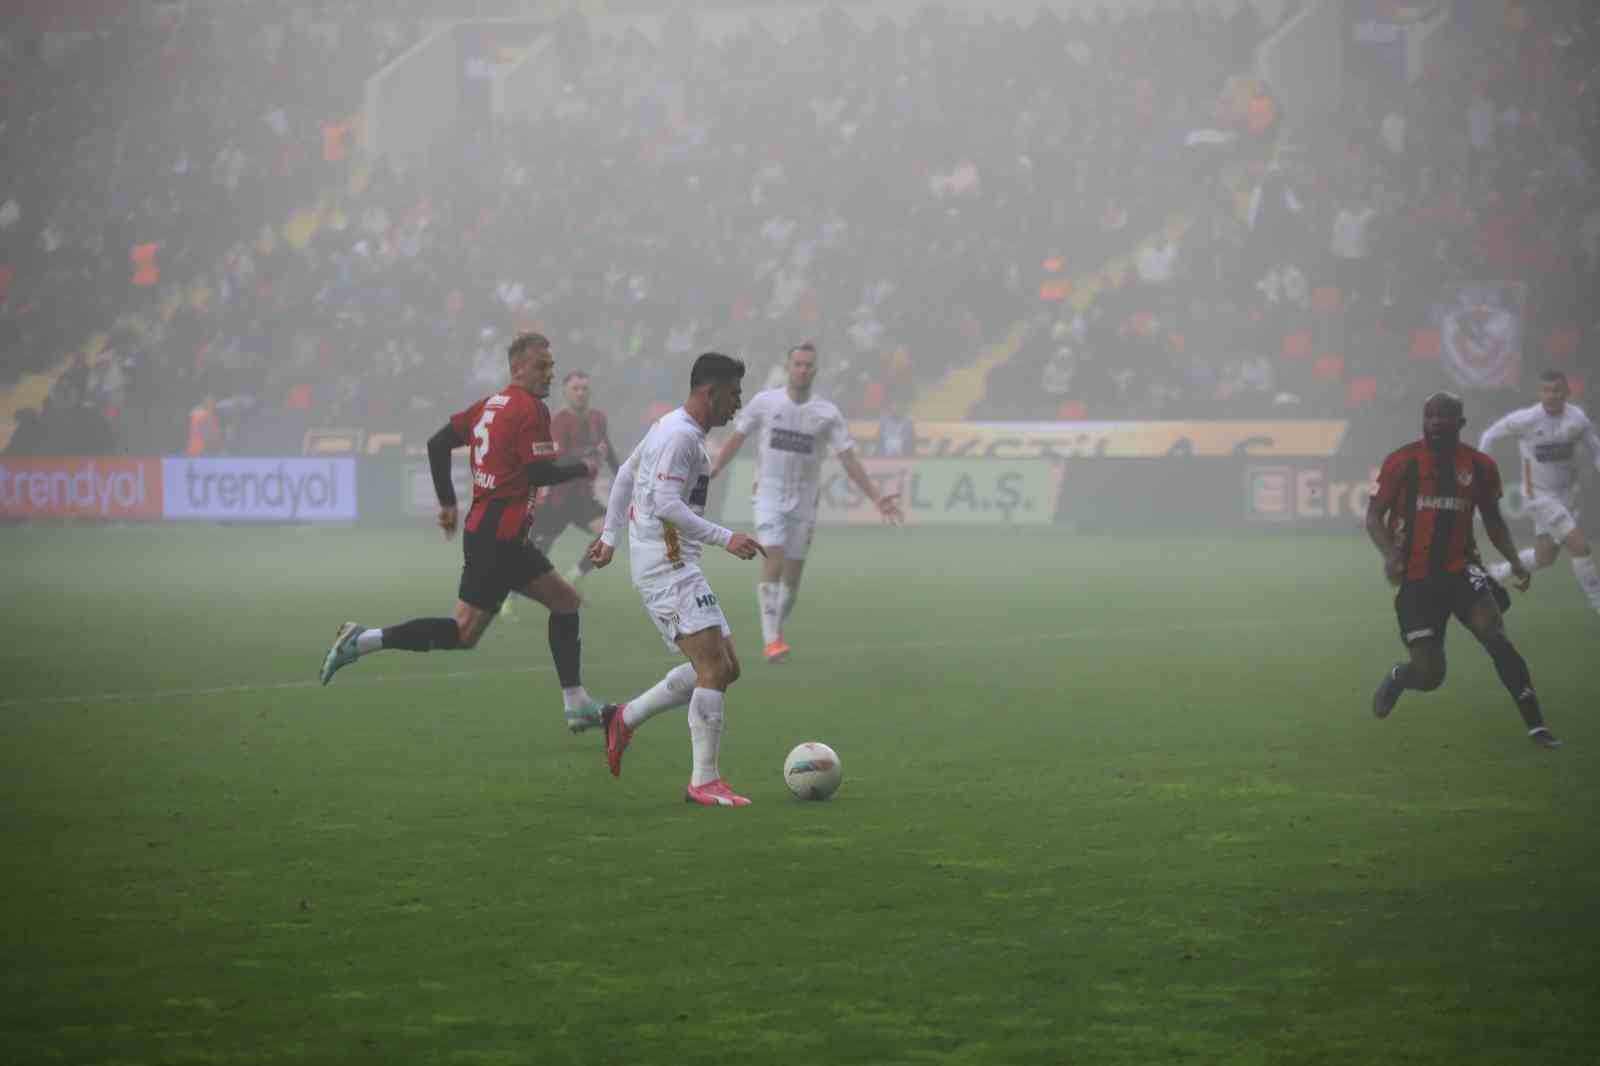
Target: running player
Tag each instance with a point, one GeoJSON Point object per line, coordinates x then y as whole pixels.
{"type": "Point", "coordinates": [797, 430]}
{"type": "Point", "coordinates": [579, 430]}
{"type": "Point", "coordinates": [661, 492]}
{"type": "Point", "coordinates": [512, 455]}
{"type": "Point", "coordinates": [1421, 520]}
{"type": "Point", "coordinates": [1548, 434]}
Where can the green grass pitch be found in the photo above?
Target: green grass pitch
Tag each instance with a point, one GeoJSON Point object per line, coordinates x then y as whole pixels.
{"type": "Point", "coordinates": [1106, 800]}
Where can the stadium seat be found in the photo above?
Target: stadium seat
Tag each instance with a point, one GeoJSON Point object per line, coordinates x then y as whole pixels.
{"type": "Point", "coordinates": [1575, 383]}
{"type": "Point", "coordinates": [1297, 345]}
{"type": "Point", "coordinates": [1361, 392]}
{"type": "Point", "coordinates": [298, 399]}
{"type": "Point", "coordinates": [1426, 344]}
{"type": "Point", "coordinates": [1561, 344]}
{"type": "Point", "coordinates": [1326, 299]}
{"type": "Point", "coordinates": [1073, 411]}
{"type": "Point", "coordinates": [1328, 368]}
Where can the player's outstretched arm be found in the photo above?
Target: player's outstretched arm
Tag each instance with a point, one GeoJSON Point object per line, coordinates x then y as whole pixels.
{"type": "Point", "coordinates": [605, 545]}
{"type": "Point", "coordinates": [1494, 524]}
{"type": "Point", "coordinates": [1493, 434]}
{"type": "Point", "coordinates": [440, 445]}
{"type": "Point", "coordinates": [1592, 439]}
{"type": "Point", "coordinates": [725, 454]}
{"type": "Point", "coordinates": [888, 504]}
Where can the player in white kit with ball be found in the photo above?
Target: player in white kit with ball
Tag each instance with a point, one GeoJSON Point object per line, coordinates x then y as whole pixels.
{"type": "Point", "coordinates": [661, 493]}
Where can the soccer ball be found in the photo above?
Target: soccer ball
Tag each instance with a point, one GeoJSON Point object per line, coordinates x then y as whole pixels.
{"type": "Point", "coordinates": [812, 771]}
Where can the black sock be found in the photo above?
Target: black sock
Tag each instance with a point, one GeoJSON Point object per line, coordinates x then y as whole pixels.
{"type": "Point", "coordinates": [423, 634]}
{"type": "Point", "coordinates": [566, 648]}
{"type": "Point", "coordinates": [1514, 675]}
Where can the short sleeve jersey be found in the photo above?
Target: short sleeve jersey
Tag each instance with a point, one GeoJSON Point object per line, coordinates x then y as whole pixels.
{"type": "Point", "coordinates": [506, 432]}
{"type": "Point", "coordinates": [672, 454]}
{"type": "Point", "coordinates": [793, 440]}
{"type": "Point", "coordinates": [1429, 500]}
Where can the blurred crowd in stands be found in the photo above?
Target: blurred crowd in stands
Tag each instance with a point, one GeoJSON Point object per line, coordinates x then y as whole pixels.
{"type": "Point", "coordinates": [1108, 201]}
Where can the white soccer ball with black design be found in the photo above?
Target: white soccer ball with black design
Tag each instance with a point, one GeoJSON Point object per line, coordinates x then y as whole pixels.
{"type": "Point", "coordinates": [813, 771]}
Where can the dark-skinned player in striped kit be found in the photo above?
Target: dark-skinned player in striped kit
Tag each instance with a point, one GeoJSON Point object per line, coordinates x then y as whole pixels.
{"type": "Point", "coordinates": [1421, 521]}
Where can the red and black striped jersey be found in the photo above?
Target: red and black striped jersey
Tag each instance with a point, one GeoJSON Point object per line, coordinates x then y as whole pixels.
{"type": "Point", "coordinates": [1429, 498]}
{"type": "Point", "coordinates": [506, 432]}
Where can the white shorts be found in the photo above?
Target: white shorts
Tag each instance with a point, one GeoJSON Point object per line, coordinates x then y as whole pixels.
{"type": "Point", "coordinates": [1554, 516]}
{"type": "Point", "coordinates": [683, 606]}
{"type": "Point", "coordinates": [790, 531]}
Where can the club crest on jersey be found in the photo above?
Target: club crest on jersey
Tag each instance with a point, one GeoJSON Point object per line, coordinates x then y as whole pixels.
{"type": "Point", "coordinates": [1464, 476]}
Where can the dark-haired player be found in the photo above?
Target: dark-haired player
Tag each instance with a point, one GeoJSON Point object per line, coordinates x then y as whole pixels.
{"type": "Point", "coordinates": [579, 430]}
{"type": "Point", "coordinates": [512, 456]}
{"type": "Point", "coordinates": [1421, 520]}
{"type": "Point", "coordinates": [661, 493]}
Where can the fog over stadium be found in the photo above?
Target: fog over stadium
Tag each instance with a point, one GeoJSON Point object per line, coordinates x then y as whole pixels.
{"type": "Point", "coordinates": [1123, 305]}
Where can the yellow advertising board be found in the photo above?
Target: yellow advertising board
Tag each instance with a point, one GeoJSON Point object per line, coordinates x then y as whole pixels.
{"type": "Point", "coordinates": [1119, 440]}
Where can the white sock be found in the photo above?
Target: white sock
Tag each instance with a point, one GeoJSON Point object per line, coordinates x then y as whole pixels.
{"type": "Point", "coordinates": [671, 691]}
{"type": "Point", "coordinates": [767, 593]}
{"type": "Point", "coordinates": [574, 697]}
{"type": "Point", "coordinates": [705, 734]}
{"type": "Point", "coordinates": [787, 594]}
{"type": "Point", "coordinates": [1583, 566]}
{"type": "Point", "coordinates": [369, 641]}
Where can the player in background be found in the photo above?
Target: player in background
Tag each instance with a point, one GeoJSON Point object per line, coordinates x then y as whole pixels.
{"type": "Point", "coordinates": [796, 430]}
{"type": "Point", "coordinates": [579, 431]}
{"type": "Point", "coordinates": [1421, 521]}
{"type": "Point", "coordinates": [1548, 434]}
{"type": "Point", "coordinates": [660, 491]}
{"type": "Point", "coordinates": [512, 456]}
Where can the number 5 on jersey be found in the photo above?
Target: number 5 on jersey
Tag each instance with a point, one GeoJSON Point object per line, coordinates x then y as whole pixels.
{"type": "Point", "coordinates": [480, 437]}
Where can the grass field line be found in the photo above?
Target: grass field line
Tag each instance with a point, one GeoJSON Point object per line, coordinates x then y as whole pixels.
{"type": "Point", "coordinates": [856, 648]}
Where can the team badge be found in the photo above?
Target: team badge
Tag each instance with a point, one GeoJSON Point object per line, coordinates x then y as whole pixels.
{"type": "Point", "coordinates": [1464, 476]}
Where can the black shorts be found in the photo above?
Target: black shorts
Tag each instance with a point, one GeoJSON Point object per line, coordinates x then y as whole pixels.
{"type": "Point", "coordinates": [492, 568]}
{"type": "Point", "coordinates": [550, 522]}
{"type": "Point", "coordinates": [1424, 607]}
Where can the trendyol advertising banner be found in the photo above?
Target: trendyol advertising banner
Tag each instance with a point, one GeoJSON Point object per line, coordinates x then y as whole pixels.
{"type": "Point", "coordinates": [103, 488]}
{"type": "Point", "coordinates": [259, 490]}
{"type": "Point", "coordinates": [985, 492]}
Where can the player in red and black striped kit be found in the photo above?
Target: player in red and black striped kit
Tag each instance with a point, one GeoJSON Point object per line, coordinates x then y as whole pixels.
{"type": "Point", "coordinates": [512, 456]}
{"type": "Point", "coordinates": [579, 430]}
{"type": "Point", "coordinates": [1421, 520]}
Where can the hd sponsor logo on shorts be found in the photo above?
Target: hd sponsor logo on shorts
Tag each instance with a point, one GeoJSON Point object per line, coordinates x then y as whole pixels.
{"type": "Point", "coordinates": [102, 488]}
{"type": "Point", "coordinates": [260, 490]}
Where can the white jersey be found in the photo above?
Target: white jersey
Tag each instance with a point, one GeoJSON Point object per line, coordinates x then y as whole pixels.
{"type": "Point", "coordinates": [794, 438]}
{"type": "Point", "coordinates": [668, 473]}
{"type": "Point", "coordinates": [1549, 446]}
